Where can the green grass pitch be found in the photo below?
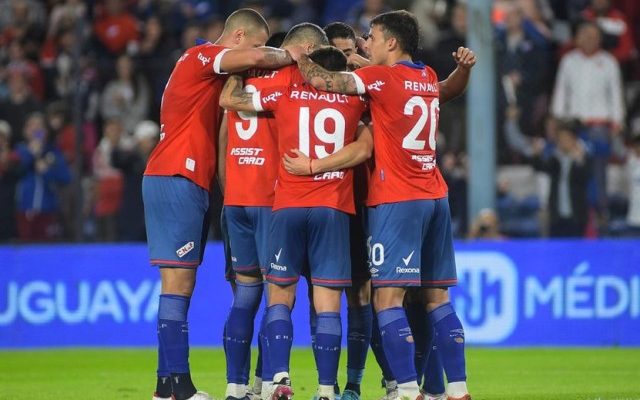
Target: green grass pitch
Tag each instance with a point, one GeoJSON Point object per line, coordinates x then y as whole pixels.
{"type": "Point", "coordinates": [518, 374]}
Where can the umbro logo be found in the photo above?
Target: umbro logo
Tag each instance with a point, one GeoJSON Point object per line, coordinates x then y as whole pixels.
{"type": "Point", "coordinates": [407, 260]}
{"type": "Point", "coordinates": [278, 255]}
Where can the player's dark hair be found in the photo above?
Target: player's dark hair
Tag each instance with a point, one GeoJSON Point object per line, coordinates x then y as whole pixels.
{"type": "Point", "coordinates": [246, 18]}
{"type": "Point", "coordinates": [403, 26]}
{"type": "Point", "coordinates": [276, 39]}
{"type": "Point", "coordinates": [306, 32]}
{"type": "Point", "coordinates": [330, 58]}
{"type": "Point", "coordinates": [339, 30]}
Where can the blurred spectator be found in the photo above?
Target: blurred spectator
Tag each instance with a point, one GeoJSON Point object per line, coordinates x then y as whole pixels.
{"type": "Point", "coordinates": [18, 17]}
{"type": "Point", "coordinates": [116, 28]}
{"type": "Point", "coordinates": [108, 180]}
{"type": "Point", "coordinates": [363, 12]}
{"type": "Point", "coordinates": [569, 170]}
{"type": "Point", "coordinates": [633, 177]}
{"type": "Point", "coordinates": [428, 13]}
{"type": "Point", "coordinates": [213, 29]}
{"type": "Point", "coordinates": [523, 67]}
{"type": "Point", "coordinates": [132, 162]}
{"type": "Point", "coordinates": [64, 14]}
{"type": "Point", "coordinates": [20, 102]}
{"type": "Point", "coordinates": [57, 62]}
{"type": "Point", "coordinates": [452, 117]}
{"type": "Point", "coordinates": [127, 97]}
{"type": "Point", "coordinates": [31, 69]}
{"type": "Point", "coordinates": [155, 49]}
{"type": "Point", "coordinates": [617, 36]}
{"type": "Point", "coordinates": [8, 179]}
{"type": "Point", "coordinates": [486, 226]}
{"type": "Point", "coordinates": [42, 169]}
{"type": "Point", "coordinates": [454, 171]}
{"type": "Point", "coordinates": [589, 88]}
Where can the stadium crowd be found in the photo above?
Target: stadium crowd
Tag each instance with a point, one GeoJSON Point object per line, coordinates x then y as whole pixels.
{"type": "Point", "coordinates": [568, 143]}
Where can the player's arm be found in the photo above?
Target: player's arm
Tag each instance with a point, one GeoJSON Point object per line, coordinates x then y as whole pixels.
{"type": "Point", "coordinates": [223, 139]}
{"type": "Point", "coordinates": [456, 83]}
{"type": "Point", "coordinates": [349, 156]}
{"type": "Point", "coordinates": [233, 96]}
{"type": "Point", "coordinates": [329, 81]}
{"type": "Point", "coordinates": [236, 60]}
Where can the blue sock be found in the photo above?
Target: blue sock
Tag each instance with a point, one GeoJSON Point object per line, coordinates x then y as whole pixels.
{"type": "Point", "coordinates": [267, 372]}
{"type": "Point", "coordinates": [418, 321]}
{"type": "Point", "coordinates": [433, 373]}
{"type": "Point", "coordinates": [328, 346]}
{"type": "Point", "coordinates": [378, 351]}
{"type": "Point", "coordinates": [450, 341]}
{"type": "Point", "coordinates": [313, 328]}
{"type": "Point", "coordinates": [358, 339]}
{"type": "Point", "coordinates": [173, 331]}
{"type": "Point", "coordinates": [280, 337]}
{"type": "Point", "coordinates": [258, 370]}
{"type": "Point", "coordinates": [239, 331]}
{"type": "Point", "coordinates": [400, 352]}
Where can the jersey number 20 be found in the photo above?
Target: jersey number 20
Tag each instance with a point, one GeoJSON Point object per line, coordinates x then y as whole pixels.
{"type": "Point", "coordinates": [427, 114]}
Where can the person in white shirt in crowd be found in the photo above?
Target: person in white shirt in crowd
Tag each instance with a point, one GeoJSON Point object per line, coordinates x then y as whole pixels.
{"type": "Point", "coordinates": [589, 88]}
{"type": "Point", "coordinates": [633, 179]}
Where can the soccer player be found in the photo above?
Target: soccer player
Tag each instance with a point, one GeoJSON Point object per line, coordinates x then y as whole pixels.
{"type": "Point", "coordinates": [343, 37]}
{"type": "Point", "coordinates": [251, 167]}
{"type": "Point", "coordinates": [178, 177]}
{"type": "Point", "coordinates": [359, 311]}
{"type": "Point", "coordinates": [310, 215]}
{"type": "Point", "coordinates": [411, 241]}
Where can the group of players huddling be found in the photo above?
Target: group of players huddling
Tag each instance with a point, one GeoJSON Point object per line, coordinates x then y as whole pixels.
{"type": "Point", "coordinates": [305, 196]}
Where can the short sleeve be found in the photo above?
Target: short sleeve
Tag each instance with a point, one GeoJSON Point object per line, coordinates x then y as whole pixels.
{"type": "Point", "coordinates": [371, 79]}
{"type": "Point", "coordinates": [268, 99]}
{"type": "Point", "coordinates": [208, 59]}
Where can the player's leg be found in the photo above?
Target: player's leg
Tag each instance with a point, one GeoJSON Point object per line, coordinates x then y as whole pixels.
{"type": "Point", "coordinates": [418, 321]}
{"type": "Point", "coordinates": [433, 381]}
{"type": "Point", "coordinates": [177, 221]}
{"type": "Point", "coordinates": [359, 311]}
{"type": "Point", "coordinates": [397, 232]}
{"type": "Point", "coordinates": [247, 296]}
{"type": "Point", "coordinates": [286, 256]}
{"type": "Point", "coordinates": [388, 381]}
{"type": "Point", "coordinates": [262, 222]}
{"type": "Point", "coordinates": [330, 273]}
{"type": "Point", "coordinates": [439, 272]}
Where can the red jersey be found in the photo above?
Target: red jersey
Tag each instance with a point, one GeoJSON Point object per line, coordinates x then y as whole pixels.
{"type": "Point", "coordinates": [318, 124]}
{"type": "Point", "coordinates": [190, 117]}
{"type": "Point", "coordinates": [252, 150]}
{"type": "Point", "coordinates": [404, 100]}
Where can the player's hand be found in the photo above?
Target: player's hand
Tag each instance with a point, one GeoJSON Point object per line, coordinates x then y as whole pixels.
{"type": "Point", "coordinates": [298, 165]}
{"type": "Point", "coordinates": [355, 61]}
{"type": "Point", "coordinates": [295, 51]}
{"type": "Point", "coordinates": [464, 57]}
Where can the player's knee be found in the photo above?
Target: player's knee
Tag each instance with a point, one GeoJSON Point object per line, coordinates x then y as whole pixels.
{"type": "Point", "coordinates": [436, 297]}
{"type": "Point", "coordinates": [282, 295]}
{"type": "Point", "coordinates": [388, 297]}
{"type": "Point", "coordinates": [180, 281]}
{"type": "Point", "coordinates": [249, 278]}
{"type": "Point", "coordinates": [326, 299]}
{"type": "Point", "coordinates": [359, 294]}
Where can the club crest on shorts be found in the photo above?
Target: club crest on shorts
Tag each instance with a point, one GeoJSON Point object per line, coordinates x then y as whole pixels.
{"type": "Point", "coordinates": [184, 250]}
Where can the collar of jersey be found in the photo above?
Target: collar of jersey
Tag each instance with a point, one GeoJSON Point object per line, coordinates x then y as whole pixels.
{"type": "Point", "coordinates": [416, 65]}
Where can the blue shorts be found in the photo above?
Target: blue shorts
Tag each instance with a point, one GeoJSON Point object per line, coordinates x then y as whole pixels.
{"type": "Point", "coordinates": [358, 237]}
{"type": "Point", "coordinates": [318, 236]}
{"type": "Point", "coordinates": [176, 213]}
{"type": "Point", "coordinates": [229, 274]}
{"type": "Point", "coordinates": [411, 244]}
{"type": "Point", "coordinates": [248, 229]}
